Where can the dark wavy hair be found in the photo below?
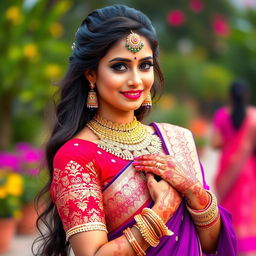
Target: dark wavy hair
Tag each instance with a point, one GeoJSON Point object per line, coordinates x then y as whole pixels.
{"type": "Point", "coordinates": [239, 93]}
{"type": "Point", "coordinates": [96, 35]}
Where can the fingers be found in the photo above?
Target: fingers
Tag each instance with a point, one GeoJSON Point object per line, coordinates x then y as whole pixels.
{"type": "Point", "coordinates": [147, 169]}
{"type": "Point", "coordinates": [148, 157]}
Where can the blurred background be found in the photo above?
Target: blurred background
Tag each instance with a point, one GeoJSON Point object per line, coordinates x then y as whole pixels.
{"type": "Point", "coordinates": [204, 46]}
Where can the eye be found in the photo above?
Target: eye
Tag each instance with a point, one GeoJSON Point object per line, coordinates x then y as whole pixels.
{"type": "Point", "coordinates": [146, 65]}
{"type": "Point", "coordinates": [119, 67]}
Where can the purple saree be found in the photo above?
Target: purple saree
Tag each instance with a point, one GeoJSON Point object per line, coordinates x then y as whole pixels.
{"type": "Point", "coordinates": [126, 195]}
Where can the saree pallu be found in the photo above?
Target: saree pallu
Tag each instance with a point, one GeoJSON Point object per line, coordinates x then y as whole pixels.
{"type": "Point", "coordinates": [237, 175]}
{"type": "Point", "coordinates": [127, 194]}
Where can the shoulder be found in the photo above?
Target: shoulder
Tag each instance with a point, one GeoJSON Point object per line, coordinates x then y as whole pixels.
{"type": "Point", "coordinates": [180, 144]}
{"type": "Point", "coordinates": [172, 128]}
{"type": "Point", "coordinates": [76, 150]}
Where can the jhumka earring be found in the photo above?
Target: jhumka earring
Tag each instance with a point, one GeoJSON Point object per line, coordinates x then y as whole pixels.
{"type": "Point", "coordinates": [147, 102]}
{"type": "Point", "coordinates": [92, 100]}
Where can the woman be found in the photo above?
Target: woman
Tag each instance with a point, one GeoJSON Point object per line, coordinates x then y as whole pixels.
{"type": "Point", "coordinates": [119, 187]}
{"type": "Point", "coordinates": [235, 135]}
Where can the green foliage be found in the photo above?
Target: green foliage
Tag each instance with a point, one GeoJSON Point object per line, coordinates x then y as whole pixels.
{"type": "Point", "coordinates": [195, 76]}
{"type": "Point", "coordinates": [32, 56]}
{"type": "Point", "coordinates": [32, 185]}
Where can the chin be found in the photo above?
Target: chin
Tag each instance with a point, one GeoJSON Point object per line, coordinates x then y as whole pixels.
{"type": "Point", "coordinates": [133, 107]}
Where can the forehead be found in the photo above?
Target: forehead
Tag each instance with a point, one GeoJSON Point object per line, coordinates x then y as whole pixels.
{"type": "Point", "coordinates": [119, 50]}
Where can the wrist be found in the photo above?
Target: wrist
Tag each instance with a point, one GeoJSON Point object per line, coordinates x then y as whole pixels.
{"type": "Point", "coordinates": [164, 214]}
{"type": "Point", "coordinates": [197, 198]}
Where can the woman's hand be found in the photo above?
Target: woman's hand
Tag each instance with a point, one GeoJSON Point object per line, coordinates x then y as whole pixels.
{"type": "Point", "coordinates": [167, 169]}
{"type": "Point", "coordinates": [166, 198]}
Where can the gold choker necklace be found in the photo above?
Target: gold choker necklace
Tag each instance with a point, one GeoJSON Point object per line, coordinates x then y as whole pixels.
{"type": "Point", "coordinates": [124, 140]}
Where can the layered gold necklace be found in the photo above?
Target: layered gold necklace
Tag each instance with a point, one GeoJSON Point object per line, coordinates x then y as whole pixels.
{"type": "Point", "coordinates": [124, 140]}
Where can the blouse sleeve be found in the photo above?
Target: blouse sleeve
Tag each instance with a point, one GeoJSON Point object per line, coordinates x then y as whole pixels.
{"type": "Point", "coordinates": [76, 192]}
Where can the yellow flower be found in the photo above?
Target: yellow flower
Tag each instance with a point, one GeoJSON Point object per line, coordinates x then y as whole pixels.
{"type": "Point", "coordinates": [13, 14]}
{"type": "Point", "coordinates": [17, 214]}
{"type": "Point", "coordinates": [166, 102]}
{"type": "Point", "coordinates": [30, 51]}
{"type": "Point", "coordinates": [14, 185]}
{"type": "Point", "coordinates": [64, 6]}
{"type": "Point", "coordinates": [53, 70]}
{"type": "Point", "coordinates": [56, 30]}
{"type": "Point", "coordinates": [3, 192]}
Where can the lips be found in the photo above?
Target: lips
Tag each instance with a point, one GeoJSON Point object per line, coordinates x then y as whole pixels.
{"type": "Point", "coordinates": [132, 95]}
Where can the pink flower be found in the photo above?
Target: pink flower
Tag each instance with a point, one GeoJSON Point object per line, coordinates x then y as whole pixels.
{"type": "Point", "coordinates": [196, 5]}
{"type": "Point", "coordinates": [176, 18]}
{"type": "Point", "coordinates": [9, 161]}
{"type": "Point", "coordinates": [29, 154]}
{"type": "Point", "coordinates": [221, 26]}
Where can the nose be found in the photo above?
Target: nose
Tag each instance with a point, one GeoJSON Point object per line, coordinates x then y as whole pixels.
{"type": "Point", "coordinates": [135, 79]}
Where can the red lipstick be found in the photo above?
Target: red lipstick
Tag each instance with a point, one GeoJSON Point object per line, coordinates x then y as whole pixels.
{"type": "Point", "coordinates": [133, 94]}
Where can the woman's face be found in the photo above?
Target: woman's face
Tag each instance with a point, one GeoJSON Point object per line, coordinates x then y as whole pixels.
{"type": "Point", "coordinates": [124, 79]}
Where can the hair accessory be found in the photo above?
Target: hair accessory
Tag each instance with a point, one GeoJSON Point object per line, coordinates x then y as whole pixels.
{"type": "Point", "coordinates": [133, 42]}
{"type": "Point", "coordinates": [147, 102]}
{"type": "Point", "coordinates": [92, 99]}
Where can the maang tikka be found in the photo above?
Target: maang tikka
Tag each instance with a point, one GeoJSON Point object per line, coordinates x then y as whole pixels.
{"type": "Point", "coordinates": [92, 99]}
{"type": "Point", "coordinates": [147, 102]}
{"type": "Point", "coordinates": [133, 42]}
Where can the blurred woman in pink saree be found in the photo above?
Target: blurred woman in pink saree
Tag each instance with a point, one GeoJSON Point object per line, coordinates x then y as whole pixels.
{"type": "Point", "coordinates": [235, 135]}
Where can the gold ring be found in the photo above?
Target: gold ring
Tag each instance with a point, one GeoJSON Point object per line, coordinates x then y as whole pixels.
{"type": "Point", "coordinates": [158, 165]}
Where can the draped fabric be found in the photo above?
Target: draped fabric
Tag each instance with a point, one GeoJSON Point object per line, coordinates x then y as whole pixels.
{"type": "Point", "coordinates": [236, 176]}
{"type": "Point", "coordinates": [124, 192]}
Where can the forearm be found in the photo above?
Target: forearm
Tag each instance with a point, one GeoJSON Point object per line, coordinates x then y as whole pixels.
{"type": "Point", "coordinates": [121, 246]}
{"type": "Point", "coordinates": [209, 237]}
{"type": "Point", "coordinates": [198, 199]}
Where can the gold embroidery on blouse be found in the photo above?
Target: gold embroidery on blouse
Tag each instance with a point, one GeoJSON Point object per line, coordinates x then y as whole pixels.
{"type": "Point", "coordinates": [76, 186]}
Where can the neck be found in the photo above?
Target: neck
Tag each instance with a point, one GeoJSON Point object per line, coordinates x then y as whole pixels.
{"type": "Point", "coordinates": [122, 118]}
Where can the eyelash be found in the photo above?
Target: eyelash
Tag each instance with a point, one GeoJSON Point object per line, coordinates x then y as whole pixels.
{"type": "Point", "coordinates": [116, 65]}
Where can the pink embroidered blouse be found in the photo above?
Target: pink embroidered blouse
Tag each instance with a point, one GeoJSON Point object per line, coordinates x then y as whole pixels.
{"type": "Point", "coordinates": [81, 170]}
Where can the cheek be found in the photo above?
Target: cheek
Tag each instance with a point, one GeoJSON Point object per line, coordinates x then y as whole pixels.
{"type": "Point", "coordinates": [108, 80]}
{"type": "Point", "coordinates": [148, 80]}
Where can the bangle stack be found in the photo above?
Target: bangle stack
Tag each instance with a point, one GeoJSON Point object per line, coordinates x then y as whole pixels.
{"type": "Point", "coordinates": [208, 217]}
{"type": "Point", "coordinates": [157, 222]}
{"type": "Point", "coordinates": [147, 230]}
{"type": "Point", "coordinates": [151, 227]}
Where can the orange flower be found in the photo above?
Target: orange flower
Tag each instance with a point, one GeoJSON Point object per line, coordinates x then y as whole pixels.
{"type": "Point", "coordinates": [199, 127]}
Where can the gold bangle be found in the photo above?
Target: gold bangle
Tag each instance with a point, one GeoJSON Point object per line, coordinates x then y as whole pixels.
{"type": "Point", "coordinates": [133, 242]}
{"type": "Point", "coordinates": [147, 212]}
{"type": "Point", "coordinates": [210, 225]}
{"type": "Point", "coordinates": [146, 231]}
{"type": "Point", "coordinates": [86, 227]}
{"type": "Point", "coordinates": [207, 214]}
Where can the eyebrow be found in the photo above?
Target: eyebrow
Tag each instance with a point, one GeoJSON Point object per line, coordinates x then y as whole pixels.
{"type": "Point", "coordinates": [128, 60]}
